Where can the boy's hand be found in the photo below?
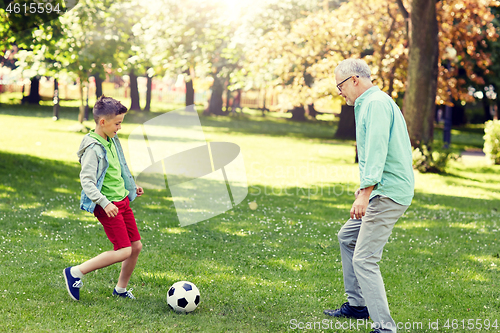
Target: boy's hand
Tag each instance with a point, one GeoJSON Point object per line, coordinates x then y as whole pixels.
{"type": "Point", "coordinates": [139, 191]}
{"type": "Point", "coordinates": [111, 210]}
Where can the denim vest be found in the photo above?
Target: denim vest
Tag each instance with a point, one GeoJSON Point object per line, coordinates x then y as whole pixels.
{"type": "Point", "coordinates": [102, 162]}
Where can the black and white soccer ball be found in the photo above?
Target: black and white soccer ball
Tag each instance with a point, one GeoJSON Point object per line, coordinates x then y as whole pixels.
{"type": "Point", "coordinates": [183, 297]}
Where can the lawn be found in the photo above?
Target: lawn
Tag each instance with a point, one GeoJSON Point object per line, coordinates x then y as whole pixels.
{"type": "Point", "coordinates": [273, 269]}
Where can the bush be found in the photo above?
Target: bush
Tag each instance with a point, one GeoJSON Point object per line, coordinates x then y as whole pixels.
{"type": "Point", "coordinates": [492, 141]}
{"type": "Point", "coordinates": [429, 159]}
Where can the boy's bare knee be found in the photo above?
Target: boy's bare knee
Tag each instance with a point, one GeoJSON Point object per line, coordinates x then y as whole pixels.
{"type": "Point", "coordinates": [124, 252]}
{"type": "Point", "coordinates": [136, 247]}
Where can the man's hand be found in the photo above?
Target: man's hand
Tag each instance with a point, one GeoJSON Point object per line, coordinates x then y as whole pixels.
{"type": "Point", "coordinates": [139, 191]}
{"type": "Point", "coordinates": [360, 205]}
{"type": "Point", "coordinates": [111, 210]}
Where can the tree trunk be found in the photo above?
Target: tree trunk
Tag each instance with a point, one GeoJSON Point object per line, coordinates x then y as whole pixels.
{"type": "Point", "coordinates": [81, 112]}
{"type": "Point", "coordinates": [486, 108]}
{"type": "Point", "coordinates": [420, 96]}
{"type": "Point", "coordinates": [98, 85]}
{"type": "Point", "coordinates": [264, 107]}
{"type": "Point", "coordinates": [34, 96]}
{"type": "Point", "coordinates": [55, 100]}
{"type": "Point", "coordinates": [87, 108]}
{"type": "Point", "coordinates": [497, 109]}
{"type": "Point", "coordinates": [347, 124]}
{"type": "Point", "coordinates": [215, 106]}
{"type": "Point", "coordinates": [298, 113]}
{"type": "Point", "coordinates": [189, 87]}
{"type": "Point", "coordinates": [149, 86]}
{"type": "Point", "coordinates": [458, 117]}
{"type": "Point", "coordinates": [228, 97]}
{"type": "Point", "coordinates": [311, 111]}
{"type": "Point", "coordinates": [134, 92]}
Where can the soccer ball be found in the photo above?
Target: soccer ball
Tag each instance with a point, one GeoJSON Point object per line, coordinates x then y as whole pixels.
{"type": "Point", "coordinates": [183, 297]}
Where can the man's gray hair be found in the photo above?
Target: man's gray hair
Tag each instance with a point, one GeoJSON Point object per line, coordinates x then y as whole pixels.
{"type": "Point", "coordinates": [349, 67]}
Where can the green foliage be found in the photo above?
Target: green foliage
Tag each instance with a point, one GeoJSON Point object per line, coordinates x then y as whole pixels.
{"type": "Point", "coordinates": [432, 159]}
{"type": "Point", "coordinates": [20, 19]}
{"type": "Point", "coordinates": [302, 55]}
{"type": "Point", "coordinates": [492, 141]}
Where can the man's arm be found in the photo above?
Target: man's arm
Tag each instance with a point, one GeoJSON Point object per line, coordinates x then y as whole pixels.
{"type": "Point", "coordinates": [378, 127]}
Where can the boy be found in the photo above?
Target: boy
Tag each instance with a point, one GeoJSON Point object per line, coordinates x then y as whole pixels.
{"type": "Point", "coordinates": [108, 188]}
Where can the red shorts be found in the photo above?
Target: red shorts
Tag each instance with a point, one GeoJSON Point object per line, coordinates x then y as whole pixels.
{"type": "Point", "coordinates": [121, 229]}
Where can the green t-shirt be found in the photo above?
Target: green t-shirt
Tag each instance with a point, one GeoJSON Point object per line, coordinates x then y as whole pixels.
{"type": "Point", "coordinates": [113, 186]}
{"type": "Point", "coordinates": [384, 149]}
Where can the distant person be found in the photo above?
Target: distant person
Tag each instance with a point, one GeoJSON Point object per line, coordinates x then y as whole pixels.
{"type": "Point", "coordinates": [108, 188]}
{"type": "Point", "coordinates": [236, 102]}
{"type": "Point", "coordinates": [386, 191]}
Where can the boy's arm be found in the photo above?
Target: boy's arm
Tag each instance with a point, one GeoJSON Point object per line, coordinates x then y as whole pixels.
{"type": "Point", "coordinates": [88, 178]}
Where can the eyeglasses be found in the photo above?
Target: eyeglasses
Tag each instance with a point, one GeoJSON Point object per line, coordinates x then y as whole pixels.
{"type": "Point", "coordinates": [339, 86]}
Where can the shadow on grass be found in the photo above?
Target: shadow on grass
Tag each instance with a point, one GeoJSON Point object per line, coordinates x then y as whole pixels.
{"type": "Point", "coordinates": [488, 170]}
{"type": "Point", "coordinates": [226, 124]}
{"type": "Point", "coordinates": [41, 111]}
{"type": "Point", "coordinates": [272, 127]}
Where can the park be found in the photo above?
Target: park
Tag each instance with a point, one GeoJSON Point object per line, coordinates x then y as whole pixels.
{"type": "Point", "coordinates": [259, 75]}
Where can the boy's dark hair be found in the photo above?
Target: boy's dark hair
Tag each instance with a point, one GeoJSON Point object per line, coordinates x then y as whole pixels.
{"type": "Point", "coordinates": [107, 107]}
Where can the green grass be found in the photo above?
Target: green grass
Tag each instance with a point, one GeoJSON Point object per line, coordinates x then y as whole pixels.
{"type": "Point", "coordinates": [468, 137]}
{"type": "Point", "coordinates": [256, 269]}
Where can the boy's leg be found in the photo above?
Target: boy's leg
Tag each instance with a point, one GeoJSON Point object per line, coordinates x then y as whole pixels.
{"type": "Point", "coordinates": [121, 231]}
{"type": "Point", "coordinates": [129, 264]}
{"type": "Point", "coordinates": [105, 259]}
{"type": "Point", "coordinates": [116, 231]}
{"type": "Point", "coordinates": [73, 275]}
{"type": "Point", "coordinates": [134, 237]}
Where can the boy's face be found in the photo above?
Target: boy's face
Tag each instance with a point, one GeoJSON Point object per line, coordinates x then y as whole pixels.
{"type": "Point", "coordinates": [110, 126]}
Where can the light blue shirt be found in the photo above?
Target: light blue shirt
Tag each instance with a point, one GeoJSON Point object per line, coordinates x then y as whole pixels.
{"type": "Point", "coordinates": [384, 149]}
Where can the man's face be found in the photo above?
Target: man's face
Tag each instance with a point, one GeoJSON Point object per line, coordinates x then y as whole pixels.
{"type": "Point", "coordinates": [346, 89]}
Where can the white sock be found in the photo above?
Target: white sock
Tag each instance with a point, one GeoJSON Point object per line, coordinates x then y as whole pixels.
{"type": "Point", "coordinates": [120, 290]}
{"type": "Point", "coordinates": [76, 272]}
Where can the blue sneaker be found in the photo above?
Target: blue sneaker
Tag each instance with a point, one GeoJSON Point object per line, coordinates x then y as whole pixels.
{"type": "Point", "coordinates": [73, 284]}
{"type": "Point", "coordinates": [126, 294]}
{"type": "Point", "coordinates": [348, 311]}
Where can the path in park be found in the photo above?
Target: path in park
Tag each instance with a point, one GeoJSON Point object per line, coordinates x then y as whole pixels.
{"type": "Point", "coordinates": [473, 156]}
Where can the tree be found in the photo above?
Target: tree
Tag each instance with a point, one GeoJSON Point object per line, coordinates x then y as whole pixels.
{"type": "Point", "coordinates": [462, 25]}
{"type": "Point", "coordinates": [262, 27]}
{"type": "Point", "coordinates": [183, 37]}
{"type": "Point", "coordinates": [420, 95]}
{"type": "Point", "coordinates": [92, 39]}
{"type": "Point", "coordinates": [31, 33]}
{"type": "Point", "coordinates": [302, 58]}
{"type": "Point", "coordinates": [139, 57]}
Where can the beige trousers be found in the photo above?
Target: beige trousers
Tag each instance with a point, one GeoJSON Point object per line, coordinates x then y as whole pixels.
{"type": "Point", "coordinates": [361, 245]}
